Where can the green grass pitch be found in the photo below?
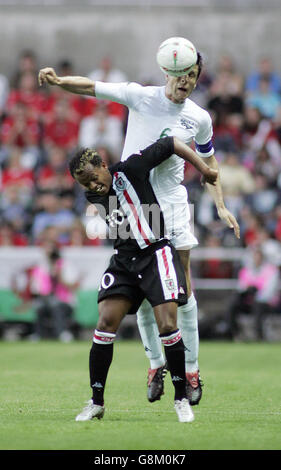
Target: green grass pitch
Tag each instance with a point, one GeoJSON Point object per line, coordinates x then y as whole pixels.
{"type": "Point", "coordinates": [44, 385]}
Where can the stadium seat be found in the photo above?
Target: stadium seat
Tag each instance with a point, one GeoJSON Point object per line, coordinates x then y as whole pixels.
{"type": "Point", "coordinates": [8, 308]}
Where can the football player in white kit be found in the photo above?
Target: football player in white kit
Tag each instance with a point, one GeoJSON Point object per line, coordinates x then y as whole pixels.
{"type": "Point", "coordinates": [158, 111]}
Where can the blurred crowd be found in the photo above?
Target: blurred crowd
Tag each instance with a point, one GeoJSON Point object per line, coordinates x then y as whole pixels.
{"type": "Point", "coordinates": [40, 128]}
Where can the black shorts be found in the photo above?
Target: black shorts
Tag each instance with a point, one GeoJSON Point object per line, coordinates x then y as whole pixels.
{"type": "Point", "coordinates": [156, 273]}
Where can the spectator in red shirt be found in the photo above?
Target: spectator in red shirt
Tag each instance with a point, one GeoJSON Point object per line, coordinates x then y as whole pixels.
{"type": "Point", "coordinates": [27, 93]}
{"type": "Point", "coordinates": [20, 130]}
{"type": "Point", "coordinates": [227, 131]}
{"type": "Point", "coordinates": [55, 174]}
{"type": "Point", "coordinates": [9, 237]}
{"type": "Point", "coordinates": [15, 174]}
{"type": "Point", "coordinates": [61, 131]}
{"type": "Point", "coordinates": [255, 133]}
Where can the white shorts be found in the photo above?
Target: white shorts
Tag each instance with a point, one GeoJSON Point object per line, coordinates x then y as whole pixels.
{"type": "Point", "coordinates": [178, 221]}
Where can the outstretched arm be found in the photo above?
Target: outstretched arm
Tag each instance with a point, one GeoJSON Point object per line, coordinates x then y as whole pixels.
{"type": "Point", "coordinates": [161, 150]}
{"type": "Point", "coordinates": [217, 195]}
{"type": "Point", "coordinates": [78, 85]}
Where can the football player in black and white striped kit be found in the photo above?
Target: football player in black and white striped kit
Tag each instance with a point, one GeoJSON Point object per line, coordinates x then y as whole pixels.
{"type": "Point", "coordinates": [145, 265]}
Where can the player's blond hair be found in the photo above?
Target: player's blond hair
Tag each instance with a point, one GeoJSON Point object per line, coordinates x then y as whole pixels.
{"type": "Point", "coordinates": [78, 163]}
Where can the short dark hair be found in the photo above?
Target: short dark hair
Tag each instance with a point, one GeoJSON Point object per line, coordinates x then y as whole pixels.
{"type": "Point", "coordinates": [27, 53]}
{"type": "Point", "coordinates": [199, 62]}
{"type": "Point", "coordinates": [79, 161]}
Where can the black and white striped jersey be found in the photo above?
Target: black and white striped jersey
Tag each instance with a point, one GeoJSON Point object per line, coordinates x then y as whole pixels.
{"type": "Point", "coordinates": [131, 208]}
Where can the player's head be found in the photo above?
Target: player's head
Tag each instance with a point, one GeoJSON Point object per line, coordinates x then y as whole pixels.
{"type": "Point", "coordinates": [180, 88]}
{"type": "Point", "coordinates": [90, 171]}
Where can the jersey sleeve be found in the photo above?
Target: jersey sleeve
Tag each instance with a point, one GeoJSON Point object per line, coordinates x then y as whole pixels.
{"type": "Point", "coordinates": [203, 139]}
{"type": "Point", "coordinates": [128, 94]}
{"type": "Point", "coordinates": [140, 165]}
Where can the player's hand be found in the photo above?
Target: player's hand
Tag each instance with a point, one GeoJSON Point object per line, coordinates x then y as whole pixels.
{"type": "Point", "coordinates": [48, 75]}
{"type": "Point", "coordinates": [210, 176]}
{"type": "Point", "coordinates": [225, 215]}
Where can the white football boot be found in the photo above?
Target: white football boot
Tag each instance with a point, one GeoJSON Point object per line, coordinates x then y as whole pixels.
{"type": "Point", "coordinates": [90, 411]}
{"type": "Point", "coordinates": [184, 411]}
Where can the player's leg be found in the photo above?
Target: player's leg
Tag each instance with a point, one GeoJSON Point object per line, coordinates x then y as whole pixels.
{"type": "Point", "coordinates": [170, 335]}
{"type": "Point", "coordinates": [188, 324]}
{"type": "Point", "coordinates": [183, 240]}
{"type": "Point", "coordinates": [111, 312]}
{"type": "Point", "coordinates": [163, 284]}
{"type": "Point", "coordinates": [149, 334]}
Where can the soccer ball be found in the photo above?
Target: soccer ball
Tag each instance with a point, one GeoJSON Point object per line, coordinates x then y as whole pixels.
{"type": "Point", "coordinates": [176, 56]}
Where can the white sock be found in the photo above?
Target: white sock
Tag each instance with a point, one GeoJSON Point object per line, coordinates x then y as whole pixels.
{"type": "Point", "coordinates": [188, 324]}
{"type": "Point", "coordinates": [150, 335]}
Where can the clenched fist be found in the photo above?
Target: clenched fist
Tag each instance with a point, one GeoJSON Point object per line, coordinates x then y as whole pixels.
{"type": "Point", "coordinates": [48, 75]}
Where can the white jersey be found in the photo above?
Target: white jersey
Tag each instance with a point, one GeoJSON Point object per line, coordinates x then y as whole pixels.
{"type": "Point", "coordinates": [151, 116]}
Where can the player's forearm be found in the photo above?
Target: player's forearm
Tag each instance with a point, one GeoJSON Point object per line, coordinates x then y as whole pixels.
{"type": "Point", "coordinates": [215, 191]}
{"type": "Point", "coordinates": [78, 85]}
{"type": "Point", "coordinates": [185, 152]}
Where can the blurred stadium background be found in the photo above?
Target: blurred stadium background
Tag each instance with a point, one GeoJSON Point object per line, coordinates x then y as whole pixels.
{"type": "Point", "coordinates": [116, 40]}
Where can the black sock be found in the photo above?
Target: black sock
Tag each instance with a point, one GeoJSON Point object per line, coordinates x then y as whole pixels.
{"type": "Point", "coordinates": [99, 363]}
{"type": "Point", "coordinates": [176, 362]}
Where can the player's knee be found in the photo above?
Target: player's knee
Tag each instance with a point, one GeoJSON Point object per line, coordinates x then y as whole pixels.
{"type": "Point", "coordinates": [106, 321]}
{"type": "Point", "coordinates": [167, 323]}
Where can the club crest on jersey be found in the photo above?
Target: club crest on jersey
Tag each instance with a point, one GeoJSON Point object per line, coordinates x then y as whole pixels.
{"type": "Point", "coordinates": [120, 183]}
{"type": "Point", "coordinates": [170, 284]}
{"type": "Point", "coordinates": [187, 123]}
